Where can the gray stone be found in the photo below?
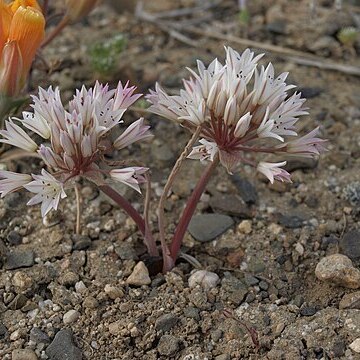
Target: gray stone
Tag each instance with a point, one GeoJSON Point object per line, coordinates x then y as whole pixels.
{"type": "Point", "coordinates": [290, 221]}
{"type": "Point", "coordinates": [246, 189]}
{"type": "Point", "coordinates": [38, 336]}
{"type": "Point", "coordinates": [81, 242]}
{"type": "Point", "coordinates": [349, 244]}
{"type": "Point", "coordinates": [168, 345]}
{"type": "Point", "coordinates": [308, 310]}
{"type": "Point", "coordinates": [18, 259]}
{"type": "Point", "coordinates": [338, 269]}
{"type": "Point", "coordinates": [63, 347]}
{"type": "Point", "coordinates": [18, 302]}
{"type": "Point", "coordinates": [233, 289]}
{"type": "Point", "coordinates": [250, 280]}
{"type": "Point", "coordinates": [14, 238]}
{"type": "Point", "coordinates": [3, 331]}
{"type": "Point", "coordinates": [231, 205]}
{"type": "Point", "coordinates": [207, 227]}
{"type": "Point", "coordinates": [192, 312]}
{"type": "Point", "coordinates": [166, 322]}
{"type": "Point", "coordinates": [126, 251]}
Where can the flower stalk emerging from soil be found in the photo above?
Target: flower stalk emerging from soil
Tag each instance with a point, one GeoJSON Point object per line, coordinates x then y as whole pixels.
{"type": "Point", "coordinates": [75, 142]}
{"type": "Point", "coordinates": [241, 110]}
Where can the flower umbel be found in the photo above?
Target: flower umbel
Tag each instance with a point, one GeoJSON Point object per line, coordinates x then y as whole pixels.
{"type": "Point", "coordinates": [75, 142]}
{"type": "Point", "coordinates": [239, 116]}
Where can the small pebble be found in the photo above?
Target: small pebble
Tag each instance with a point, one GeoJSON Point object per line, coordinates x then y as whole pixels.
{"type": "Point", "coordinates": [139, 276]}
{"type": "Point", "coordinates": [206, 279]}
{"type": "Point", "coordinates": [338, 269]}
{"type": "Point", "coordinates": [245, 227]}
{"type": "Point", "coordinates": [113, 292]}
{"type": "Point", "coordinates": [70, 317]}
{"type": "Point", "coordinates": [355, 345]}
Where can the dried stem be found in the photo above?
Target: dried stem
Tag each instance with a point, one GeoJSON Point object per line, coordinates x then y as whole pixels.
{"type": "Point", "coordinates": [59, 27]}
{"type": "Point", "coordinates": [78, 208]}
{"type": "Point", "coordinates": [125, 205]}
{"type": "Point", "coordinates": [190, 208]}
{"type": "Point", "coordinates": [168, 260]}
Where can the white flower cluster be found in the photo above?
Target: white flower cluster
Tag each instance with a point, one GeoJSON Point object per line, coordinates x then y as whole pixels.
{"type": "Point", "coordinates": [74, 141]}
{"type": "Point", "coordinates": [240, 109]}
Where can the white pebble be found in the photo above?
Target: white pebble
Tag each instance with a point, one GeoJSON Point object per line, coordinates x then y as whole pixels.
{"type": "Point", "coordinates": [205, 279]}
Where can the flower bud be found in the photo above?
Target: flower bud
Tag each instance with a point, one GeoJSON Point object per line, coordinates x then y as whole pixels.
{"type": "Point", "coordinates": [77, 9]}
{"type": "Point", "coordinates": [11, 65]}
{"type": "Point", "coordinates": [28, 30]}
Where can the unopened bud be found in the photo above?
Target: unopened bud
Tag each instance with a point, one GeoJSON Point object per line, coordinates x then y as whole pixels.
{"type": "Point", "coordinates": [11, 65]}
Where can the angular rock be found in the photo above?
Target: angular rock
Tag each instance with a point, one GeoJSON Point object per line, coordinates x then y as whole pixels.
{"type": "Point", "coordinates": [166, 322]}
{"type": "Point", "coordinates": [233, 289]}
{"type": "Point", "coordinates": [168, 345]}
{"type": "Point", "coordinates": [63, 347]}
{"type": "Point", "coordinates": [207, 227]}
{"type": "Point", "coordinates": [139, 276]}
{"type": "Point", "coordinates": [38, 336]}
{"type": "Point", "coordinates": [230, 205]}
{"type": "Point", "coordinates": [349, 244]}
{"type": "Point", "coordinates": [355, 345]}
{"type": "Point", "coordinates": [350, 301]}
{"type": "Point", "coordinates": [339, 270]}
{"type": "Point", "coordinates": [23, 354]}
{"type": "Point", "coordinates": [18, 259]}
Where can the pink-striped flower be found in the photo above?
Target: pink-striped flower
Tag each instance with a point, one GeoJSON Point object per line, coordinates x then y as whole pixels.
{"type": "Point", "coordinates": [241, 109]}
{"type": "Point", "coordinates": [75, 141]}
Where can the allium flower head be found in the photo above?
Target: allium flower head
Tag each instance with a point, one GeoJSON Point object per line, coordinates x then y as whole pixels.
{"type": "Point", "coordinates": [240, 109]}
{"type": "Point", "coordinates": [75, 141]}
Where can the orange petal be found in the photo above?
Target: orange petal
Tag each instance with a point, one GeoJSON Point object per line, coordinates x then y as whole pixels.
{"type": "Point", "coordinates": [24, 3]}
{"type": "Point", "coordinates": [28, 29]}
{"type": "Point", "coordinates": [10, 69]}
{"type": "Point", "coordinates": [76, 9]}
{"type": "Point", "coordinates": [5, 21]}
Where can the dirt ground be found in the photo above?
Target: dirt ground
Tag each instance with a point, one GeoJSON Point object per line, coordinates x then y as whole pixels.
{"type": "Point", "coordinates": [67, 297]}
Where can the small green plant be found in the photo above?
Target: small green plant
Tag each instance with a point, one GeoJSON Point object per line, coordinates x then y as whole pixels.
{"type": "Point", "coordinates": [104, 55]}
{"type": "Point", "coordinates": [244, 17]}
{"type": "Point", "coordinates": [348, 36]}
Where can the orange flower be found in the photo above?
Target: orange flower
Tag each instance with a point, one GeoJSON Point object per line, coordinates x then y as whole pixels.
{"type": "Point", "coordinates": [22, 29]}
{"type": "Point", "coordinates": [76, 9]}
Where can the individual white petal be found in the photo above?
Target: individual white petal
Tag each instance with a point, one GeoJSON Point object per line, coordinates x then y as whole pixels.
{"type": "Point", "coordinates": [135, 132]}
{"type": "Point", "coordinates": [11, 181]}
{"type": "Point", "coordinates": [131, 176]}
{"type": "Point", "coordinates": [242, 126]}
{"type": "Point", "coordinates": [273, 171]}
{"type": "Point", "coordinates": [16, 136]}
